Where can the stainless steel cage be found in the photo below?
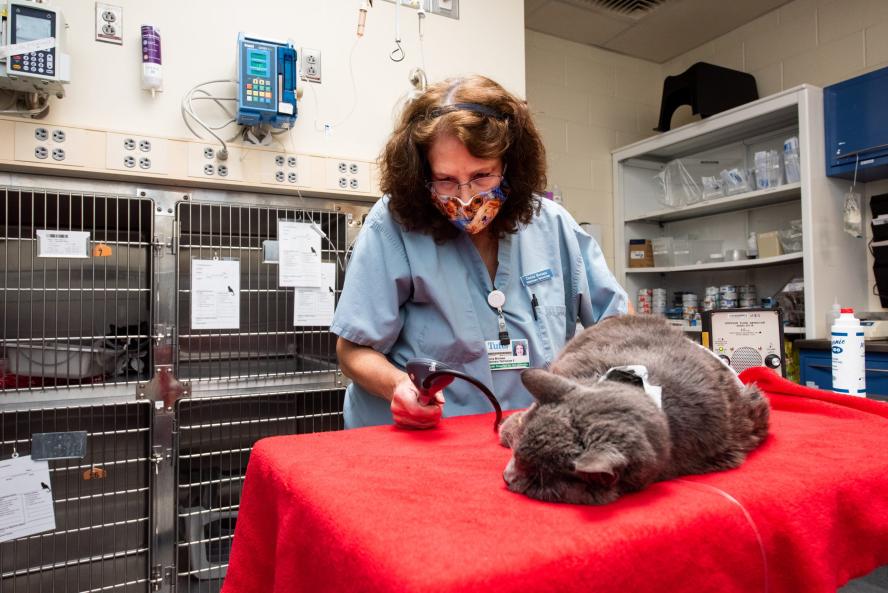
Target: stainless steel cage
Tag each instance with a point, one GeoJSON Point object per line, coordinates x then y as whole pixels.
{"type": "Point", "coordinates": [267, 343]}
{"type": "Point", "coordinates": [98, 332]}
{"type": "Point", "coordinates": [82, 319]}
{"type": "Point", "coordinates": [102, 502]}
{"type": "Point", "coordinates": [215, 438]}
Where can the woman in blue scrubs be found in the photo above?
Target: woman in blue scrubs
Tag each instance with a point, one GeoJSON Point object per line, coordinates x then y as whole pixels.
{"type": "Point", "coordinates": [461, 261]}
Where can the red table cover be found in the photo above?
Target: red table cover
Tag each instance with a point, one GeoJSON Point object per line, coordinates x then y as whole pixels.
{"type": "Point", "coordinates": [387, 509]}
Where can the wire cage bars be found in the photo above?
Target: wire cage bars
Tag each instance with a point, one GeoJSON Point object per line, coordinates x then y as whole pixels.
{"type": "Point", "coordinates": [102, 503]}
{"type": "Point", "coordinates": [75, 288]}
{"type": "Point", "coordinates": [267, 343]}
{"type": "Point", "coordinates": [215, 438]}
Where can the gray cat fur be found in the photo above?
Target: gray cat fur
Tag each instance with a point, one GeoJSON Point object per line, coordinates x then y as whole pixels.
{"type": "Point", "coordinates": [586, 442]}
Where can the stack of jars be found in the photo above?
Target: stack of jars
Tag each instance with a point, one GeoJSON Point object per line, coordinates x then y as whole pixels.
{"type": "Point", "coordinates": [645, 300]}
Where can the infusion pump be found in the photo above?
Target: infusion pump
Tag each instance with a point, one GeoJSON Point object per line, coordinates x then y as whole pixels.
{"type": "Point", "coordinates": [32, 48]}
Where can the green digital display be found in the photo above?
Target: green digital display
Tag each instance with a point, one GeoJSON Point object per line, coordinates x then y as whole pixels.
{"type": "Point", "coordinates": [258, 62]}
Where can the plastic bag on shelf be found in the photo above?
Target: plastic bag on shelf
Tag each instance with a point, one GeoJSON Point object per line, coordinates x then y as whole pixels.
{"type": "Point", "coordinates": [791, 299]}
{"type": "Point", "coordinates": [712, 187]}
{"type": "Point", "coordinates": [735, 181]}
{"type": "Point", "coordinates": [791, 238]}
{"type": "Point", "coordinates": [678, 187]}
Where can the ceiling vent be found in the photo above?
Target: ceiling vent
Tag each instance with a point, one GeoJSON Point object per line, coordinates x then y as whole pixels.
{"type": "Point", "coordinates": [632, 9]}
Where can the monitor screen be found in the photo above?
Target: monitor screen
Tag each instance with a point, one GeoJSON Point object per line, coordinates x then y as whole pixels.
{"type": "Point", "coordinates": [29, 28]}
{"type": "Point", "coordinates": [258, 62]}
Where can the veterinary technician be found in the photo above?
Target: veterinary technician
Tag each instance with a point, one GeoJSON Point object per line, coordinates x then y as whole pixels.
{"type": "Point", "coordinates": [460, 259]}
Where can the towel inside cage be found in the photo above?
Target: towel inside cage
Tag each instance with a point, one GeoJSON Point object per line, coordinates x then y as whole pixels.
{"type": "Point", "coordinates": [60, 360]}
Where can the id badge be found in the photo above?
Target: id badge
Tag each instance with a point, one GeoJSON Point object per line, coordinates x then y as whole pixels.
{"type": "Point", "coordinates": [514, 355]}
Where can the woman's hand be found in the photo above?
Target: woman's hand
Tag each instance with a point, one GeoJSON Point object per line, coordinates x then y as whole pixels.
{"type": "Point", "coordinates": [407, 410]}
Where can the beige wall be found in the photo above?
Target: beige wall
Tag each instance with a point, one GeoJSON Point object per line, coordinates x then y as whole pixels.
{"type": "Point", "coordinates": [820, 42]}
{"type": "Point", "coordinates": [199, 44]}
{"type": "Point", "coordinates": [588, 101]}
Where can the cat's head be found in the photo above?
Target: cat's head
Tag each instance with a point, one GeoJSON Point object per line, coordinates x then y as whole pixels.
{"type": "Point", "coordinates": [582, 443]}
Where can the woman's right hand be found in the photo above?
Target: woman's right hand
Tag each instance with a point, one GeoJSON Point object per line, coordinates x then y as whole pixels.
{"type": "Point", "coordinates": [407, 410]}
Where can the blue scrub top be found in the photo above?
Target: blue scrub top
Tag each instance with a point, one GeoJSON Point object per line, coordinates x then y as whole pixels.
{"type": "Point", "coordinates": [408, 297]}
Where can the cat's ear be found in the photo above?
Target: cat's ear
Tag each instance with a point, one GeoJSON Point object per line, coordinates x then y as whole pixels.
{"type": "Point", "coordinates": [600, 466]}
{"type": "Point", "coordinates": [546, 387]}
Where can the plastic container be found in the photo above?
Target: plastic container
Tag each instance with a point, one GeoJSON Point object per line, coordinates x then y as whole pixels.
{"type": "Point", "coordinates": [60, 361]}
{"type": "Point", "coordinates": [707, 251]}
{"type": "Point", "coordinates": [681, 252]}
{"type": "Point", "coordinates": [848, 358]}
{"type": "Point", "coordinates": [768, 169]}
{"type": "Point", "coordinates": [152, 70]}
{"type": "Point", "coordinates": [791, 160]}
{"type": "Point", "coordinates": [752, 250]}
{"type": "Point", "coordinates": [663, 256]}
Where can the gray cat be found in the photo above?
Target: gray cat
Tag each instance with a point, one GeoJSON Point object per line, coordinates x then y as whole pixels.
{"type": "Point", "coordinates": [588, 442]}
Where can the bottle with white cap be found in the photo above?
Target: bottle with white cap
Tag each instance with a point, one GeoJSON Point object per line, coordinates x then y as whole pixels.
{"type": "Point", "coordinates": [848, 358]}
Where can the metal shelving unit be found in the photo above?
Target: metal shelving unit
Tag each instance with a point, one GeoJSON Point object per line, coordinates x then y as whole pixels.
{"type": "Point", "coordinates": [831, 262]}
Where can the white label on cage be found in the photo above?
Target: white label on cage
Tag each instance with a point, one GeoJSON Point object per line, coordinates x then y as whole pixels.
{"type": "Point", "coordinates": [25, 498]}
{"type": "Point", "coordinates": [72, 244]}
{"type": "Point", "coordinates": [215, 294]}
{"type": "Point", "coordinates": [299, 255]}
{"type": "Point", "coordinates": [314, 306]}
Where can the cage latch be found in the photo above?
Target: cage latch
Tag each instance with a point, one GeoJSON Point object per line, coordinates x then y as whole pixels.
{"type": "Point", "coordinates": [156, 458]}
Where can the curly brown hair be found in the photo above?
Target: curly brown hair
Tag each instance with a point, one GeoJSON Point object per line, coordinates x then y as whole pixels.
{"type": "Point", "coordinates": [508, 132]}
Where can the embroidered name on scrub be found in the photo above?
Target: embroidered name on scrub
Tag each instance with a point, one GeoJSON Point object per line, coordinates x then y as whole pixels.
{"type": "Point", "coordinates": [536, 277]}
{"type": "Point", "coordinates": [514, 355]}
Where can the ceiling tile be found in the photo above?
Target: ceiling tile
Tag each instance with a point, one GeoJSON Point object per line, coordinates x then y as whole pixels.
{"type": "Point", "coordinates": [576, 24]}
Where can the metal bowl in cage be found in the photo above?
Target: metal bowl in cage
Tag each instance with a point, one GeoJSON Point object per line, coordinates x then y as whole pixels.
{"type": "Point", "coordinates": [60, 361]}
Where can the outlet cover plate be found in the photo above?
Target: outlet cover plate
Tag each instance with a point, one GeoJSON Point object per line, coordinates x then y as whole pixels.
{"type": "Point", "coordinates": [310, 60]}
{"type": "Point", "coordinates": [109, 23]}
{"type": "Point", "coordinates": [117, 149]}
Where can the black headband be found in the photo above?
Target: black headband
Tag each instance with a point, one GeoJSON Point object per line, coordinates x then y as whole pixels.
{"type": "Point", "coordinates": [474, 107]}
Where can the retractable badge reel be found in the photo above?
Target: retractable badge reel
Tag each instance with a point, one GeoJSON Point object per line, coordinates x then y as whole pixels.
{"type": "Point", "coordinates": [496, 299]}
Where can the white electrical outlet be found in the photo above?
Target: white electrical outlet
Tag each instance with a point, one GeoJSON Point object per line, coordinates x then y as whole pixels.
{"type": "Point", "coordinates": [48, 144]}
{"type": "Point", "coordinates": [130, 152]}
{"type": "Point", "coordinates": [348, 175]}
{"type": "Point", "coordinates": [310, 60]}
{"type": "Point", "coordinates": [204, 163]}
{"type": "Point", "coordinates": [109, 23]}
{"type": "Point", "coordinates": [283, 169]}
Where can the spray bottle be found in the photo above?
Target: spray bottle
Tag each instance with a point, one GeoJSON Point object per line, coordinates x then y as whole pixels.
{"type": "Point", "coordinates": [848, 359]}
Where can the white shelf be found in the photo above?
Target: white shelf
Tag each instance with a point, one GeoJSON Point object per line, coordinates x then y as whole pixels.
{"type": "Point", "coordinates": [753, 199]}
{"type": "Point", "coordinates": [794, 330]}
{"type": "Point", "coordinates": [728, 265]}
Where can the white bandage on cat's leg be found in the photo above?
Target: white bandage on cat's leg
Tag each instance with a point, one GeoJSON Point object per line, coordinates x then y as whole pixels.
{"type": "Point", "coordinates": [639, 370]}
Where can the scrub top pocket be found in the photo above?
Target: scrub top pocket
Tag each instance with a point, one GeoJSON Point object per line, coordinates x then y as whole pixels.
{"type": "Point", "coordinates": [439, 342]}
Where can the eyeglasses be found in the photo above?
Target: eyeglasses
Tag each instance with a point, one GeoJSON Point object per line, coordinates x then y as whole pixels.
{"type": "Point", "coordinates": [451, 189]}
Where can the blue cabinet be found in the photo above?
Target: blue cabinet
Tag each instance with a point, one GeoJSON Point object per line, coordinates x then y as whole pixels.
{"type": "Point", "coordinates": [815, 370]}
{"type": "Point", "coordinates": [855, 126]}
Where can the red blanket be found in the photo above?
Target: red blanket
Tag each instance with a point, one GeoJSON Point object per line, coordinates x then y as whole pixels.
{"type": "Point", "coordinates": [385, 509]}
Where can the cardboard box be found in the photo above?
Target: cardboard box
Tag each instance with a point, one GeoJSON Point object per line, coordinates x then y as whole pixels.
{"type": "Point", "coordinates": [641, 253]}
{"type": "Point", "coordinates": [769, 244]}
